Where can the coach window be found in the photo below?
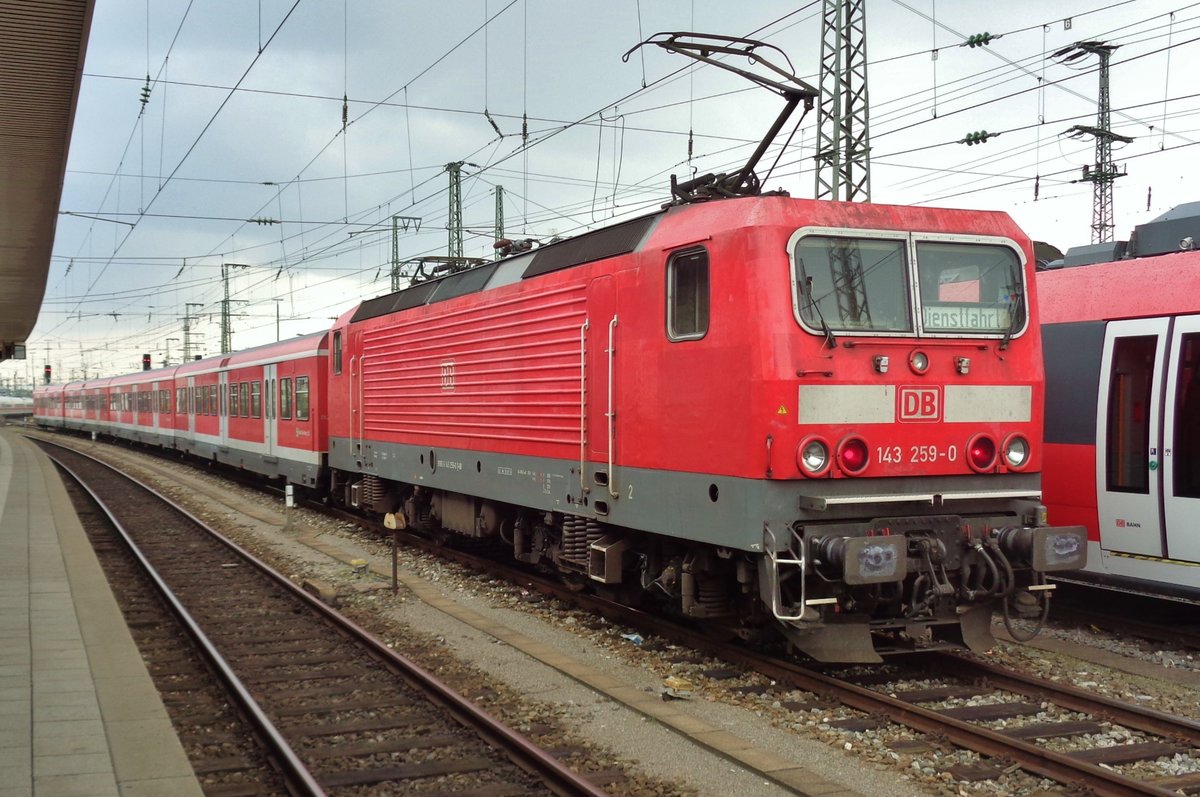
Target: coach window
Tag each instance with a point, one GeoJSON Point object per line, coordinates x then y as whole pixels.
{"type": "Point", "coordinates": [687, 295]}
{"type": "Point", "coordinates": [302, 398]}
{"type": "Point", "coordinates": [285, 398]}
{"type": "Point", "coordinates": [255, 399]}
{"type": "Point", "coordinates": [1129, 395]}
{"type": "Point", "coordinates": [233, 399]}
{"type": "Point", "coordinates": [852, 284]}
{"type": "Point", "coordinates": [970, 288]}
{"type": "Point", "coordinates": [244, 400]}
{"type": "Point", "coordinates": [1187, 419]}
{"type": "Point", "coordinates": [337, 352]}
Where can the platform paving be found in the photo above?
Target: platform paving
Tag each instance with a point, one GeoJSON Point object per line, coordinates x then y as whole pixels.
{"type": "Point", "coordinates": [79, 715]}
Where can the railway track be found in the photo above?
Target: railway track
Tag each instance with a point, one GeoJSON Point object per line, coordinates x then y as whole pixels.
{"type": "Point", "coordinates": [1154, 619]}
{"type": "Point", "coordinates": [1008, 718]}
{"type": "Point", "coordinates": [323, 707]}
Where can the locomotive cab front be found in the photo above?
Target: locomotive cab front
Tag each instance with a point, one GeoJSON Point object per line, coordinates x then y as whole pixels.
{"type": "Point", "coordinates": [905, 487]}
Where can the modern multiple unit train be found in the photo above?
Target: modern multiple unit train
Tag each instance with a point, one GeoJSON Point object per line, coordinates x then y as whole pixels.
{"type": "Point", "coordinates": [1122, 347]}
{"type": "Point", "coordinates": [809, 419]}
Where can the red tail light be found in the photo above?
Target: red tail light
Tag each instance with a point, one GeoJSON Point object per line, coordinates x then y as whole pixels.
{"type": "Point", "coordinates": [981, 453]}
{"type": "Point", "coordinates": [853, 455]}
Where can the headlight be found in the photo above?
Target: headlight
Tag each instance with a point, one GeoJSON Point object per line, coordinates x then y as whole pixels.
{"type": "Point", "coordinates": [918, 361]}
{"type": "Point", "coordinates": [1016, 452]}
{"type": "Point", "coordinates": [812, 457]}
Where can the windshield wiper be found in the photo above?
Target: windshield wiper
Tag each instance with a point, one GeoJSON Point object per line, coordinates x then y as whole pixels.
{"type": "Point", "coordinates": [814, 304]}
{"type": "Point", "coordinates": [1018, 307]}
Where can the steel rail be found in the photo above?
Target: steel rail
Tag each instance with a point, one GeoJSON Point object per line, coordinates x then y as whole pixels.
{"type": "Point", "coordinates": [523, 752]}
{"type": "Point", "coordinates": [1045, 763]}
{"type": "Point", "coordinates": [294, 770]}
{"type": "Point", "coordinates": [1143, 719]}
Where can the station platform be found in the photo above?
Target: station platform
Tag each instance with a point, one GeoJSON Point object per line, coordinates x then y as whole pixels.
{"type": "Point", "coordinates": [79, 714]}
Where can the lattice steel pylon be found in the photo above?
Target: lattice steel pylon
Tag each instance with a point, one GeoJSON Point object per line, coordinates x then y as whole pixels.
{"type": "Point", "coordinates": [455, 225]}
{"type": "Point", "coordinates": [843, 134]}
{"type": "Point", "coordinates": [1102, 174]}
{"type": "Point", "coordinates": [499, 230]}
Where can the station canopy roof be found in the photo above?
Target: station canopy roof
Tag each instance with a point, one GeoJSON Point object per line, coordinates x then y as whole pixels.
{"type": "Point", "coordinates": [42, 46]}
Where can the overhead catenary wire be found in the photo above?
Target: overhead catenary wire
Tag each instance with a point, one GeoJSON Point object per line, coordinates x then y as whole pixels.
{"type": "Point", "coordinates": [498, 167]}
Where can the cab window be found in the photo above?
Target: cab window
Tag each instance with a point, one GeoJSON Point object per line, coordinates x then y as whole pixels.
{"type": "Point", "coordinates": [687, 295]}
{"type": "Point", "coordinates": [969, 288]}
{"type": "Point", "coordinates": [337, 352]}
{"type": "Point", "coordinates": [852, 284]}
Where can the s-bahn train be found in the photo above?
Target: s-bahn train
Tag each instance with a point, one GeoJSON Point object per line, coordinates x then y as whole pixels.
{"type": "Point", "coordinates": [1121, 331]}
{"type": "Point", "coordinates": [805, 419]}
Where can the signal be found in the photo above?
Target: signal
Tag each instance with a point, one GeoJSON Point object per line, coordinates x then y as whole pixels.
{"type": "Point", "coordinates": [46, 374]}
{"type": "Point", "coordinates": [145, 362]}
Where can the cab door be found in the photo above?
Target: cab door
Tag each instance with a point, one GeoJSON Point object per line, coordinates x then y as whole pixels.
{"type": "Point", "coordinates": [598, 362]}
{"type": "Point", "coordinates": [1181, 442]}
{"type": "Point", "coordinates": [1128, 441]}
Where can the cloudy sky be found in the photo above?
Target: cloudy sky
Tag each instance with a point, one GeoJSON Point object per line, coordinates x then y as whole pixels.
{"type": "Point", "coordinates": [245, 153]}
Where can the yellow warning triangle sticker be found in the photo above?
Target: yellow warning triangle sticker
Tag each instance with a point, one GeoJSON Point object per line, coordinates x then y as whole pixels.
{"type": "Point", "coordinates": [781, 411]}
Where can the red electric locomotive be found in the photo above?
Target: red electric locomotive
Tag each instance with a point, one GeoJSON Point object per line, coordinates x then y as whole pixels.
{"type": "Point", "coordinates": [820, 416]}
{"type": "Point", "coordinates": [1121, 330]}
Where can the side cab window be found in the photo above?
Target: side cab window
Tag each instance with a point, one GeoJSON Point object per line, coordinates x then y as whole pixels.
{"type": "Point", "coordinates": [336, 359]}
{"type": "Point", "coordinates": [687, 295]}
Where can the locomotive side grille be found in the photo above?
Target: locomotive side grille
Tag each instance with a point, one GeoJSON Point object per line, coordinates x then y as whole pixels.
{"type": "Point", "coordinates": [507, 371]}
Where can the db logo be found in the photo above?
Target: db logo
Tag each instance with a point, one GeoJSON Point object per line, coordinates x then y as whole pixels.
{"type": "Point", "coordinates": [919, 404]}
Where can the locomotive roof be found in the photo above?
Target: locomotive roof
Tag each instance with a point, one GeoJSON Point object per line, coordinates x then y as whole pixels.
{"type": "Point", "coordinates": [619, 239]}
{"type": "Point", "coordinates": [688, 223]}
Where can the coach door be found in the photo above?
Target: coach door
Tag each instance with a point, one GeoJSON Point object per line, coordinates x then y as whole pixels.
{"type": "Point", "coordinates": [1181, 441]}
{"type": "Point", "coordinates": [188, 402]}
{"type": "Point", "coordinates": [1129, 457]}
{"type": "Point", "coordinates": [222, 407]}
{"type": "Point", "coordinates": [269, 410]}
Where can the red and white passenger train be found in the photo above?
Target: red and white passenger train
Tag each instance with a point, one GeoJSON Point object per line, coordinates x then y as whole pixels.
{"type": "Point", "coordinates": [806, 419]}
{"type": "Point", "coordinates": [820, 418]}
{"type": "Point", "coordinates": [1122, 342]}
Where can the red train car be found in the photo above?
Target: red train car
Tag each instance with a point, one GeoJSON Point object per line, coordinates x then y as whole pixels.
{"type": "Point", "coordinates": [823, 417]}
{"type": "Point", "coordinates": [1122, 343]}
{"type": "Point", "coordinates": [258, 409]}
{"type": "Point", "coordinates": [261, 409]}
